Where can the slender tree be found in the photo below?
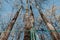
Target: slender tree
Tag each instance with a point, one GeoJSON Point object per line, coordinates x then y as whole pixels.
{"type": "Point", "coordinates": [4, 35]}
{"type": "Point", "coordinates": [28, 20]}
{"type": "Point", "coordinates": [27, 24]}
{"type": "Point", "coordinates": [53, 31]}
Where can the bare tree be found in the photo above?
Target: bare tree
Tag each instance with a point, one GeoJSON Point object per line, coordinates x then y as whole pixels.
{"type": "Point", "coordinates": [4, 35]}
{"type": "Point", "coordinates": [29, 21]}
{"type": "Point", "coordinates": [53, 31]}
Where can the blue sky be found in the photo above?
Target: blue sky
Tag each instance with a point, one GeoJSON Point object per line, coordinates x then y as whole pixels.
{"type": "Point", "coordinates": [6, 7]}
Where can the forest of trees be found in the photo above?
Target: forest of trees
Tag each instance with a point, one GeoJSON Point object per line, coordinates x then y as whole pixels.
{"type": "Point", "coordinates": [19, 17]}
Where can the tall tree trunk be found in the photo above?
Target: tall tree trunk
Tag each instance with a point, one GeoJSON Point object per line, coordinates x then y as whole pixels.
{"type": "Point", "coordinates": [50, 27]}
{"type": "Point", "coordinates": [27, 27]}
{"type": "Point", "coordinates": [4, 35]}
{"type": "Point", "coordinates": [29, 20]}
{"type": "Point", "coordinates": [27, 24]}
{"type": "Point", "coordinates": [53, 31]}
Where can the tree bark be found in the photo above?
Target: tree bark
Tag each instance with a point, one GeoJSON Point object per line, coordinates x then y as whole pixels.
{"type": "Point", "coordinates": [52, 30]}
{"type": "Point", "coordinates": [29, 20]}
{"type": "Point", "coordinates": [4, 35]}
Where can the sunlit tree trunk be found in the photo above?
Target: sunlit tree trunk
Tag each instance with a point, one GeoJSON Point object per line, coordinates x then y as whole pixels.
{"type": "Point", "coordinates": [50, 27]}
{"type": "Point", "coordinates": [53, 31]}
{"type": "Point", "coordinates": [28, 20]}
{"type": "Point", "coordinates": [27, 27]}
{"type": "Point", "coordinates": [4, 35]}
